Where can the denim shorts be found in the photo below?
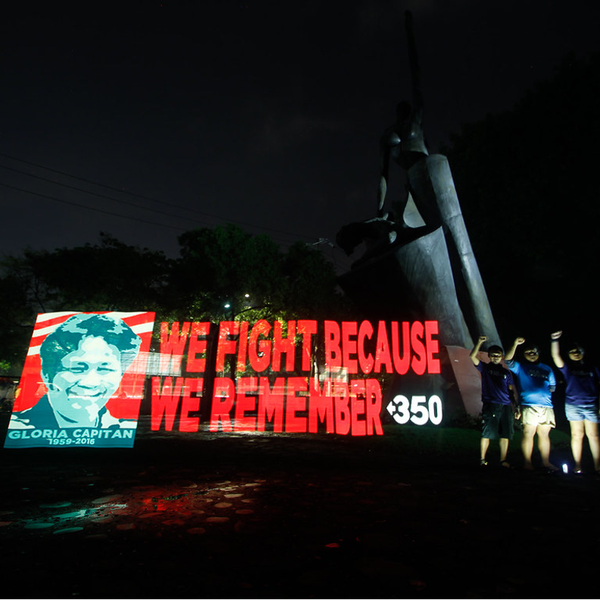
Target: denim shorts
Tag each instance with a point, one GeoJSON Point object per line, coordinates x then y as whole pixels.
{"type": "Point", "coordinates": [582, 412]}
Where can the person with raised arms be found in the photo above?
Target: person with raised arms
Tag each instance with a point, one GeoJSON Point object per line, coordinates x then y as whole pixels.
{"type": "Point", "coordinates": [499, 406]}
{"type": "Point", "coordinates": [581, 399]}
{"type": "Point", "coordinates": [535, 382]}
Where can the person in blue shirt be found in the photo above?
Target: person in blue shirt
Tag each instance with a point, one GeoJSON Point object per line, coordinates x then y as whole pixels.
{"type": "Point", "coordinates": [499, 408]}
{"type": "Point", "coordinates": [535, 383]}
{"type": "Point", "coordinates": [581, 399]}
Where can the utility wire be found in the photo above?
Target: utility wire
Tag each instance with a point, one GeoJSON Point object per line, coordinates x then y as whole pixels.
{"type": "Point", "coordinates": [71, 187]}
{"type": "Point", "coordinates": [282, 242]}
{"type": "Point", "coordinates": [129, 193]}
{"type": "Point", "coordinates": [106, 212]}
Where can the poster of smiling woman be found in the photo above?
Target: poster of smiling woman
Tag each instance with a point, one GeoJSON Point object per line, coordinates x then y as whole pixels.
{"type": "Point", "coordinates": [83, 381]}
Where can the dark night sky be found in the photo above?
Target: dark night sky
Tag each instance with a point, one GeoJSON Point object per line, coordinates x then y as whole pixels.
{"type": "Point", "coordinates": [267, 114]}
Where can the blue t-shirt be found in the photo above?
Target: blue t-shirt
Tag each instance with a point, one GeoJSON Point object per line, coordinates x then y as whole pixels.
{"type": "Point", "coordinates": [582, 383]}
{"type": "Point", "coordinates": [495, 382]}
{"type": "Point", "coordinates": [535, 381]}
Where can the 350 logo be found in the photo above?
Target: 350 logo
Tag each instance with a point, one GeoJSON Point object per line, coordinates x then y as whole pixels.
{"type": "Point", "coordinates": [419, 410]}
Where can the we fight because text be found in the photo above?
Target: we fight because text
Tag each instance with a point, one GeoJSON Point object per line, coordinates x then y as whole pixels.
{"type": "Point", "coordinates": [265, 376]}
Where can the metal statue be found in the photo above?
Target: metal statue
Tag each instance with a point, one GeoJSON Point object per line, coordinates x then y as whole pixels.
{"type": "Point", "coordinates": [424, 241]}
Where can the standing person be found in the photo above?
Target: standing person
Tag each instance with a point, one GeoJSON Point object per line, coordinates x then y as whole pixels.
{"type": "Point", "coordinates": [499, 408]}
{"type": "Point", "coordinates": [535, 382]}
{"type": "Point", "coordinates": [581, 400]}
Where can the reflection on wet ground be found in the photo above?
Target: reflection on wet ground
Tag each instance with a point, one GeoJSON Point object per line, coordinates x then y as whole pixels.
{"type": "Point", "coordinates": [288, 517]}
{"type": "Point", "coordinates": [182, 503]}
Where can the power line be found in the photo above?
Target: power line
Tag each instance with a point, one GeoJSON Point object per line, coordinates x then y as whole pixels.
{"type": "Point", "coordinates": [71, 187]}
{"type": "Point", "coordinates": [286, 243]}
{"type": "Point", "coordinates": [282, 242]}
{"type": "Point", "coordinates": [278, 231]}
{"type": "Point", "coordinates": [106, 212]}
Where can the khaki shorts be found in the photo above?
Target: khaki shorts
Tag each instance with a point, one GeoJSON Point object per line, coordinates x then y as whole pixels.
{"type": "Point", "coordinates": [538, 415]}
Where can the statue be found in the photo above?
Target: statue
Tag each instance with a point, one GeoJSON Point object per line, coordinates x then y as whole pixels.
{"type": "Point", "coordinates": [425, 249]}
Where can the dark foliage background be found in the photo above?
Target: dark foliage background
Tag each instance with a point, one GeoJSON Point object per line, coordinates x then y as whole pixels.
{"type": "Point", "coordinates": [527, 180]}
{"type": "Point", "coordinates": [221, 274]}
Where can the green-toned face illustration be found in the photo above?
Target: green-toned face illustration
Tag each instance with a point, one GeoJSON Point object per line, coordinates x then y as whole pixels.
{"type": "Point", "coordinates": [88, 378]}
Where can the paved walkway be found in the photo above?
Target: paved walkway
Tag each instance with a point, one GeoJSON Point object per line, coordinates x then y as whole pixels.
{"type": "Point", "coordinates": [294, 517]}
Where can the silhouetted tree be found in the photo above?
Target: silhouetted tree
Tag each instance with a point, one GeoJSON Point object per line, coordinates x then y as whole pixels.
{"type": "Point", "coordinates": [105, 276]}
{"type": "Point", "coordinates": [222, 274]}
{"type": "Point", "coordinates": [16, 321]}
{"type": "Point", "coordinates": [224, 271]}
{"type": "Point", "coordinates": [527, 182]}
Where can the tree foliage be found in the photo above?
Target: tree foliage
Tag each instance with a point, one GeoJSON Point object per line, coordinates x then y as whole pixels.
{"type": "Point", "coordinates": [527, 182]}
{"type": "Point", "coordinates": [221, 274]}
{"type": "Point", "coordinates": [224, 266]}
{"type": "Point", "coordinates": [15, 320]}
{"type": "Point", "coordinates": [105, 276]}
{"type": "Point", "coordinates": [225, 271]}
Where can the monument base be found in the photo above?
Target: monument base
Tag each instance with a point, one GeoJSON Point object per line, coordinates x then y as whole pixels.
{"type": "Point", "coordinates": [458, 386]}
{"type": "Point", "coordinates": [411, 281]}
{"type": "Point", "coordinates": [466, 379]}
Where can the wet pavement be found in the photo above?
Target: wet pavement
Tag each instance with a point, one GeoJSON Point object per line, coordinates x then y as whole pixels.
{"type": "Point", "coordinates": [409, 514]}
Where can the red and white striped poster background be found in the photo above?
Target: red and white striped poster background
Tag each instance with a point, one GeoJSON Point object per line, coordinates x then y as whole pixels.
{"type": "Point", "coordinates": [125, 403]}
